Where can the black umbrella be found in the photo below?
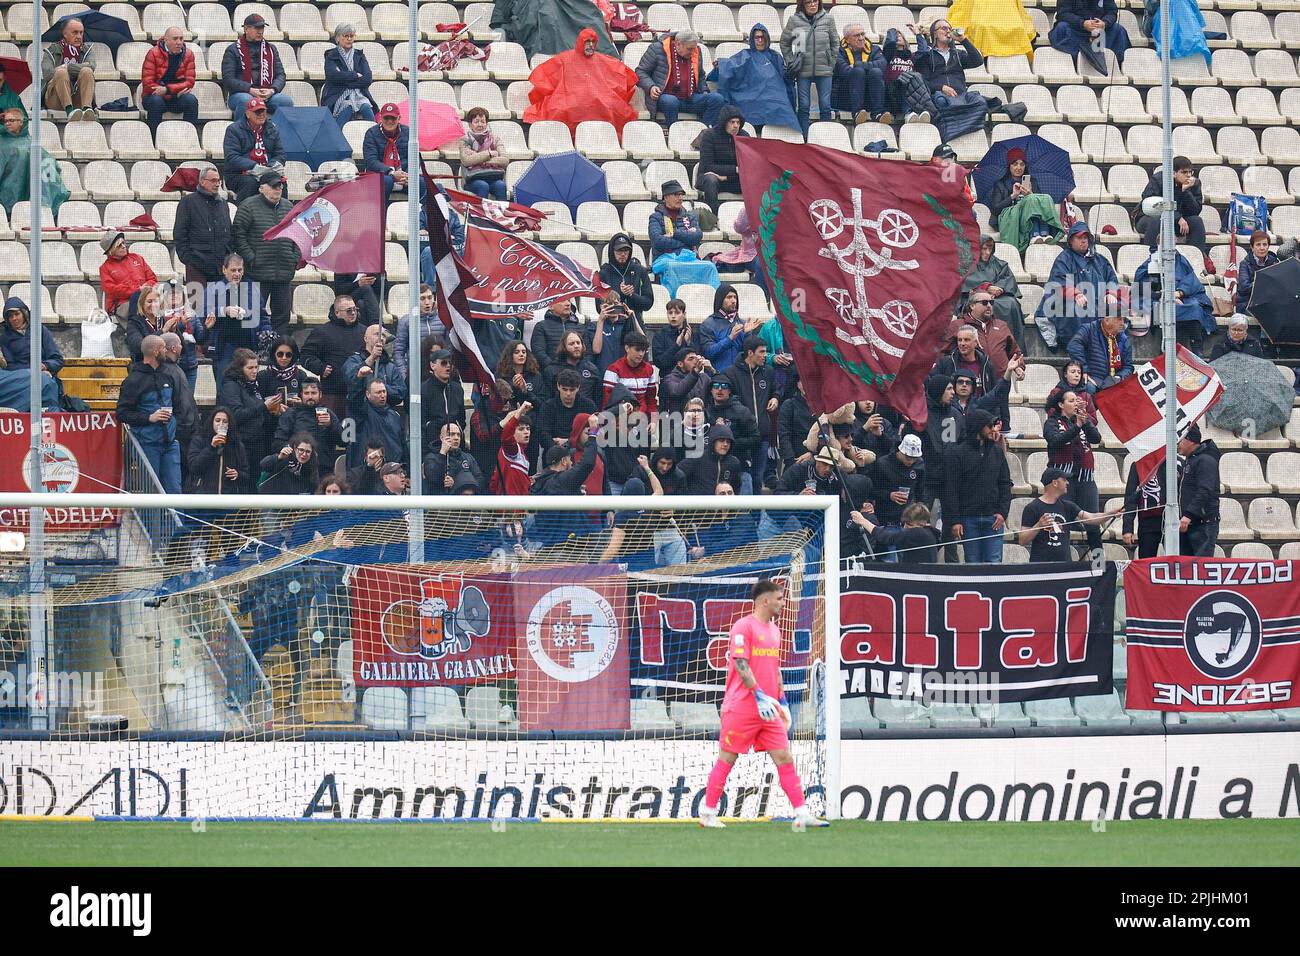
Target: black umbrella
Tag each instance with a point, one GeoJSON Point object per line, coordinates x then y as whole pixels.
{"type": "Point", "coordinates": [100, 28]}
{"type": "Point", "coordinates": [1275, 302]}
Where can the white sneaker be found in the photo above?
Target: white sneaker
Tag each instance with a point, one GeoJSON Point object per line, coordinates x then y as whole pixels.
{"type": "Point", "coordinates": [804, 817]}
{"type": "Point", "coordinates": [709, 819]}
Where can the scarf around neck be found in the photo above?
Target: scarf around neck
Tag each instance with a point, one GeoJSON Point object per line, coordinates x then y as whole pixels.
{"type": "Point", "coordinates": [392, 155]}
{"type": "Point", "coordinates": [266, 66]}
{"type": "Point", "coordinates": [72, 54]}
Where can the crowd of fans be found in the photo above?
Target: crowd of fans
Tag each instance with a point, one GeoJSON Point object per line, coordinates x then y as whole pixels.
{"type": "Point", "coordinates": [329, 416]}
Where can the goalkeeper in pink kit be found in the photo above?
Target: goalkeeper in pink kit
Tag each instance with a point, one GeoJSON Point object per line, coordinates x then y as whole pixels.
{"type": "Point", "coordinates": [754, 713]}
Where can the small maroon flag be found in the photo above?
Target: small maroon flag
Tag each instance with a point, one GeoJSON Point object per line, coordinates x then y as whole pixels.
{"type": "Point", "coordinates": [508, 215]}
{"type": "Point", "coordinates": [185, 179]}
{"type": "Point", "coordinates": [865, 259]}
{"type": "Point", "coordinates": [316, 226]}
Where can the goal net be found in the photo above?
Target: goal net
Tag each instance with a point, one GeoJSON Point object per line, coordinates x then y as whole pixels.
{"type": "Point", "coordinates": [246, 657]}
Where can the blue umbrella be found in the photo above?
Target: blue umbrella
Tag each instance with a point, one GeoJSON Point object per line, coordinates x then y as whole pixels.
{"type": "Point", "coordinates": [1049, 166]}
{"type": "Point", "coordinates": [310, 135]}
{"type": "Point", "coordinates": [100, 28]}
{"type": "Point", "coordinates": [567, 178]}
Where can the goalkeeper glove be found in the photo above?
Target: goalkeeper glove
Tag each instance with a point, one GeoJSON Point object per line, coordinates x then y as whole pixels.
{"type": "Point", "coordinates": [768, 708]}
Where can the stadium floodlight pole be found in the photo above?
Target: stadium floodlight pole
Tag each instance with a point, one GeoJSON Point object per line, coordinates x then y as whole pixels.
{"type": "Point", "coordinates": [1167, 290]}
{"type": "Point", "coordinates": [831, 687]}
{"type": "Point", "coordinates": [414, 410]}
{"type": "Point", "coordinates": [37, 658]}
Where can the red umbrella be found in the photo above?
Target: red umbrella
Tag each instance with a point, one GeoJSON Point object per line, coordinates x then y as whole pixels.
{"type": "Point", "coordinates": [18, 76]}
{"type": "Point", "coordinates": [439, 123]}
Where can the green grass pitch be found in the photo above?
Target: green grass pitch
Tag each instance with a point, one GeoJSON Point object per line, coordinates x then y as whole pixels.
{"type": "Point", "coordinates": [856, 843]}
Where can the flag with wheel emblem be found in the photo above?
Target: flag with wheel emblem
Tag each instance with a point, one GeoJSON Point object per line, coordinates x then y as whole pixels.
{"type": "Point", "coordinates": [865, 260]}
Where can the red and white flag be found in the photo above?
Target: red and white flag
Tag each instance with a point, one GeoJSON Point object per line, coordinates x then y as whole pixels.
{"type": "Point", "coordinates": [315, 226]}
{"type": "Point", "coordinates": [508, 215]}
{"type": "Point", "coordinates": [1135, 408]}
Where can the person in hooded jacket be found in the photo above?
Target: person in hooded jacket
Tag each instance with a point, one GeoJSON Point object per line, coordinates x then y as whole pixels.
{"type": "Point", "coordinates": [293, 470]}
{"type": "Point", "coordinates": [15, 348]}
{"type": "Point", "coordinates": [628, 277]}
{"type": "Point", "coordinates": [1198, 494]}
{"type": "Point", "coordinates": [945, 429]}
{"type": "Point", "coordinates": [572, 355]}
{"type": "Point", "coordinates": [449, 462]}
{"type": "Point", "coordinates": [722, 332]}
{"type": "Point", "coordinates": [1144, 505]}
{"type": "Point", "coordinates": [977, 494]}
{"type": "Point", "coordinates": [718, 168]}
{"type": "Point", "coordinates": [810, 44]}
{"type": "Point", "coordinates": [792, 424]}
{"type": "Point", "coordinates": [717, 465]}
{"type": "Point", "coordinates": [218, 460]}
{"type": "Point", "coordinates": [753, 81]}
{"type": "Point", "coordinates": [442, 393]}
{"type": "Point", "coordinates": [724, 408]}
{"type": "Point", "coordinates": [555, 417]}
{"type": "Point", "coordinates": [253, 413]}
{"type": "Point", "coordinates": [329, 346]}
{"type": "Point", "coordinates": [1081, 287]}
{"type": "Point", "coordinates": [754, 384]}
{"type": "Point", "coordinates": [619, 450]}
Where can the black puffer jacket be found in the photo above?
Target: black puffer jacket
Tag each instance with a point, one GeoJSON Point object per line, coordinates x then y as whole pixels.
{"type": "Point", "coordinates": [754, 388]}
{"type": "Point", "coordinates": [274, 261]}
{"type": "Point", "coordinates": [718, 148]}
{"type": "Point", "coordinates": [548, 333]}
{"type": "Point", "coordinates": [248, 412]}
{"type": "Point", "coordinates": [634, 274]}
{"type": "Point", "coordinates": [202, 232]}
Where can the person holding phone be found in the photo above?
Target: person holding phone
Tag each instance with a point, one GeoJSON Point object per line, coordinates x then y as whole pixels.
{"type": "Point", "coordinates": [283, 375]}
{"type": "Point", "coordinates": [1022, 216]}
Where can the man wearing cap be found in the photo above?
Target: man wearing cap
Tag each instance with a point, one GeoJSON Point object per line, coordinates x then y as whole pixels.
{"type": "Point", "coordinates": [449, 462]}
{"type": "Point", "coordinates": [252, 150]}
{"type": "Point", "coordinates": [977, 492]}
{"type": "Point", "coordinates": [1198, 494]}
{"type": "Point", "coordinates": [561, 475]}
{"type": "Point", "coordinates": [1045, 523]}
{"type": "Point", "coordinates": [724, 408]}
{"type": "Point", "coordinates": [251, 69]}
{"type": "Point", "coordinates": [202, 229]}
{"type": "Point", "coordinates": [122, 274]}
{"type": "Point", "coordinates": [393, 477]}
{"type": "Point", "coordinates": [383, 149]}
{"type": "Point", "coordinates": [673, 227]}
{"type": "Point", "coordinates": [625, 275]}
{"type": "Point", "coordinates": [442, 396]}
{"type": "Point", "coordinates": [820, 476]}
{"type": "Point", "coordinates": [269, 264]}
{"type": "Point", "coordinates": [671, 73]}
{"type": "Point", "coordinates": [69, 68]}
{"type": "Point", "coordinates": [16, 360]}
{"type": "Point", "coordinates": [896, 480]}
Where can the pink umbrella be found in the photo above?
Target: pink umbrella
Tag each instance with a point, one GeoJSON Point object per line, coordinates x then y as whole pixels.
{"type": "Point", "coordinates": [439, 123]}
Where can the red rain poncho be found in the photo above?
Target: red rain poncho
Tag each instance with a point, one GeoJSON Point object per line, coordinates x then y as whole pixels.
{"type": "Point", "coordinates": [572, 87]}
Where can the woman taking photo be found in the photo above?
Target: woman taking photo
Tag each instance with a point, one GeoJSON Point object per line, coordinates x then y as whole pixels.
{"type": "Point", "coordinates": [293, 470]}
{"type": "Point", "coordinates": [254, 415]}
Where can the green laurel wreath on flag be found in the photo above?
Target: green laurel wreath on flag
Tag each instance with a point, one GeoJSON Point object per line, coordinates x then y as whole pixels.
{"type": "Point", "coordinates": [965, 258]}
{"type": "Point", "coordinates": [769, 209]}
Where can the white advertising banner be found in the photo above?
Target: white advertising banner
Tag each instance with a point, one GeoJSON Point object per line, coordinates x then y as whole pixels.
{"type": "Point", "coordinates": [1200, 776]}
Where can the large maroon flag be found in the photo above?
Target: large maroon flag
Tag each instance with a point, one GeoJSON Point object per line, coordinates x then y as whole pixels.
{"type": "Point", "coordinates": [865, 260]}
{"type": "Point", "coordinates": [316, 226]}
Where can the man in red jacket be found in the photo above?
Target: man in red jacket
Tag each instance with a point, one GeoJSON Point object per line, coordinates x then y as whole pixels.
{"type": "Point", "coordinates": [166, 80]}
{"type": "Point", "coordinates": [634, 373]}
{"type": "Point", "coordinates": [122, 274]}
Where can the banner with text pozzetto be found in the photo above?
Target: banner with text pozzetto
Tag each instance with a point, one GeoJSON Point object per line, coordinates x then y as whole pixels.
{"type": "Point", "coordinates": [80, 451]}
{"type": "Point", "coordinates": [977, 633]}
{"type": "Point", "coordinates": [572, 629]}
{"type": "Point", "coordinates": [680, 631]}
{"type": "Point", "coordinates": [423, 627]}
{"type": "Point", "coordinates": [1212, 635]}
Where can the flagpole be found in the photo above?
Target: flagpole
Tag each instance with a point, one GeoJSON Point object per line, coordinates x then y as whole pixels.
{"type": "Point", "coordinates": [37, 655]}
{"type": "Point", "coordinates": [414, 360]}
{"type": "Point", "coordinates": [1167, 303]}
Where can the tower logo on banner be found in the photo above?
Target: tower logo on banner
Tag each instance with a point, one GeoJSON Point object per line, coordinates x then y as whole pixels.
{"type": "Point", "coordinates": [321, 223]}
{"type": "Point", "coordinates": [891, 327]}
{"type": "Point", "coordinates": [572, 634]}
{"type": "Point", "coordinates": [1223, 635]}
{"type": "Point", "coordinates": [60, 470]}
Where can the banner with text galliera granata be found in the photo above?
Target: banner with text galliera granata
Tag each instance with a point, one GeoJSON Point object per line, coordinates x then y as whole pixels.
{"type": "Point", "coordinates": [80, 451]}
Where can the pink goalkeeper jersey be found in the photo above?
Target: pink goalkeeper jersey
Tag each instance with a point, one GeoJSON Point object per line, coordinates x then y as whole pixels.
{"type": "Point", "coordinates": [760, 645]}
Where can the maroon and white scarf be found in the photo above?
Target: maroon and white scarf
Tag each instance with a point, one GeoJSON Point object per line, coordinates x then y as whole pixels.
{"type": "Point", "coordinates": [266, 71]}
{"type": "Point", "coordinates": [258, 153]}
{"type": "Point", "coordinates": [392, 155]}
{"type": "Point", "coordinates": [72, 54]}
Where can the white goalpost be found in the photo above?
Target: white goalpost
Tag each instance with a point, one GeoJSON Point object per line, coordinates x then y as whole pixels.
{"type": "Point", "coordinates": [274, 657]}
